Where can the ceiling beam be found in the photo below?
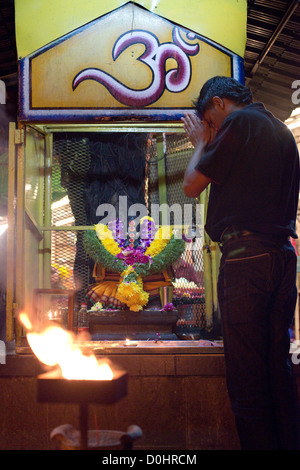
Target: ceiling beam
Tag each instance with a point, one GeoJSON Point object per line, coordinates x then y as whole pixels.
{"type": "Point", "coordinates": [293, 5]}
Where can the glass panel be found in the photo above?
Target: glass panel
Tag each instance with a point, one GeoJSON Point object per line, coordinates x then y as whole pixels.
{"type": "Point", "coordinates": [32, 279]}
{"type": "Point", "coordinates": [34, 164]}
{"type": "Point", "coordinates": [34, 174]}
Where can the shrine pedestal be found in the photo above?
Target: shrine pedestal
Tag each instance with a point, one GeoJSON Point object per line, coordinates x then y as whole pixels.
{"type": "Point", "coordinates": [143, 325]}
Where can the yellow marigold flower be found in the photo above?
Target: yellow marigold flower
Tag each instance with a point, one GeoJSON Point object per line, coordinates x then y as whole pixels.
{"type": "Point", "coordinates": [133, 295]}
{"type": "Point", "coordinates": [63, 271]}
{"type": "Point", "coordinates": [161, 239]}
{"type": "Point", "coordinates": [127, 271]}
{"type": "Point", "coordinates": [136, 308]}
{"type": "Point", "coordinates": [107, 239]}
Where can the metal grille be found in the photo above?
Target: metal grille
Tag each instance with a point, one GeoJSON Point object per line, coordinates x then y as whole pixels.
{"type": "Point", "coordinates": [189, 279]}
{"type": "Point", "coordinates": [70, 264]}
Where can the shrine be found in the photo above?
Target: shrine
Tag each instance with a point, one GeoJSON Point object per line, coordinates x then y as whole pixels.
{"type": "Point", "coordinates": [103, 244]}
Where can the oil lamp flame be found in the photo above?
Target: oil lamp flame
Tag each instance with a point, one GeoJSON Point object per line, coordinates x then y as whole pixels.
{"type": "Point", "coordinates": [55, 346]}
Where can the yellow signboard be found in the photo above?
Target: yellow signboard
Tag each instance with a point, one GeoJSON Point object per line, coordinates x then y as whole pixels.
{"type": "Point", "coordinates": [129, 63]}
{"type": "Point", "coordinates": [40, 22]}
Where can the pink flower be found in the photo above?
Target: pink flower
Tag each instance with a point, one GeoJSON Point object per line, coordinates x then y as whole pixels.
{"type": "Point", "coordinates": [133, 256]}
{"type": "Point", "coordinates": [168, 308]}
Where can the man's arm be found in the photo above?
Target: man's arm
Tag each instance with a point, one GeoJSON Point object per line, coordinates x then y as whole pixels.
{"type": "Point", "coordinates": [200, 135]}
{"type": "Point", "coordinates": [195, 182]}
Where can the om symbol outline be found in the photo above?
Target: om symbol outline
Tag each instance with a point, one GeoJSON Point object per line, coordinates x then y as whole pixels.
{"type": "Point", "coordinates": [155, 56]}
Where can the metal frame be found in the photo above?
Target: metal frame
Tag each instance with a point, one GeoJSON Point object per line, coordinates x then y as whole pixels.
{"type": "Point", "coordinates": [18, 215]}
{"type": "Point", "coordinates": [11, 235]}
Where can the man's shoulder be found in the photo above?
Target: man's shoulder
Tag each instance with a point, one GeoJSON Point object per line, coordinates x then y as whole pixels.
{"type": "Point", "coordinates": [236, 120]}
{"type": "Point", "coordinates": [253, 114]}
{"type": "Point", "coordinates": [249, 111]}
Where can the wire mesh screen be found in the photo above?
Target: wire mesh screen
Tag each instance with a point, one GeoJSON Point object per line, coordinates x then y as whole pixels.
{"type": "Point", "coordinates": [189, 296]}
{"type": "Point", "coordinates": [70, 265]}
{"type": "Point", "coordinates": [73, 159]}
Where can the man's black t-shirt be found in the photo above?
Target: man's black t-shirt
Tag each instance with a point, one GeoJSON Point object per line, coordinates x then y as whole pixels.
{"type": "Point", "coordinates": [254, 165]}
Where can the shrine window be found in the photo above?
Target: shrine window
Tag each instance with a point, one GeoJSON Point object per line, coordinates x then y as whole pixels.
{"type": "Point", "coordinates": [92, 174]}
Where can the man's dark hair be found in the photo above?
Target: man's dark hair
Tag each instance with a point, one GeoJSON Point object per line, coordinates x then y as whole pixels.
{"type": "Point", "coordinates": [223, 87]}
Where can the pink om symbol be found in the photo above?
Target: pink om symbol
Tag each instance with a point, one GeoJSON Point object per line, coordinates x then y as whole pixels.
{"type": "Point", "coordinates": [154, 56]}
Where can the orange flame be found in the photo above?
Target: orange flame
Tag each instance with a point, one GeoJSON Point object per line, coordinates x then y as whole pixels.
{"type": "Point", "coordinates": [56, 346]}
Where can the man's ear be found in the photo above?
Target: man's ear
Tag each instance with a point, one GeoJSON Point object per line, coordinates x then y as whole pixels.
{"type": "Point", "coordinates": [217, 101]}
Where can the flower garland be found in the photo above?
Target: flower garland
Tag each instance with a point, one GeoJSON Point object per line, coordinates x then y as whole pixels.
{"type": "Point", "coordinates": [160, 241]}
{"type": "Point", "coordinates": [156, 251]}
{"type": "Point", "coordinates": [106, 237]}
